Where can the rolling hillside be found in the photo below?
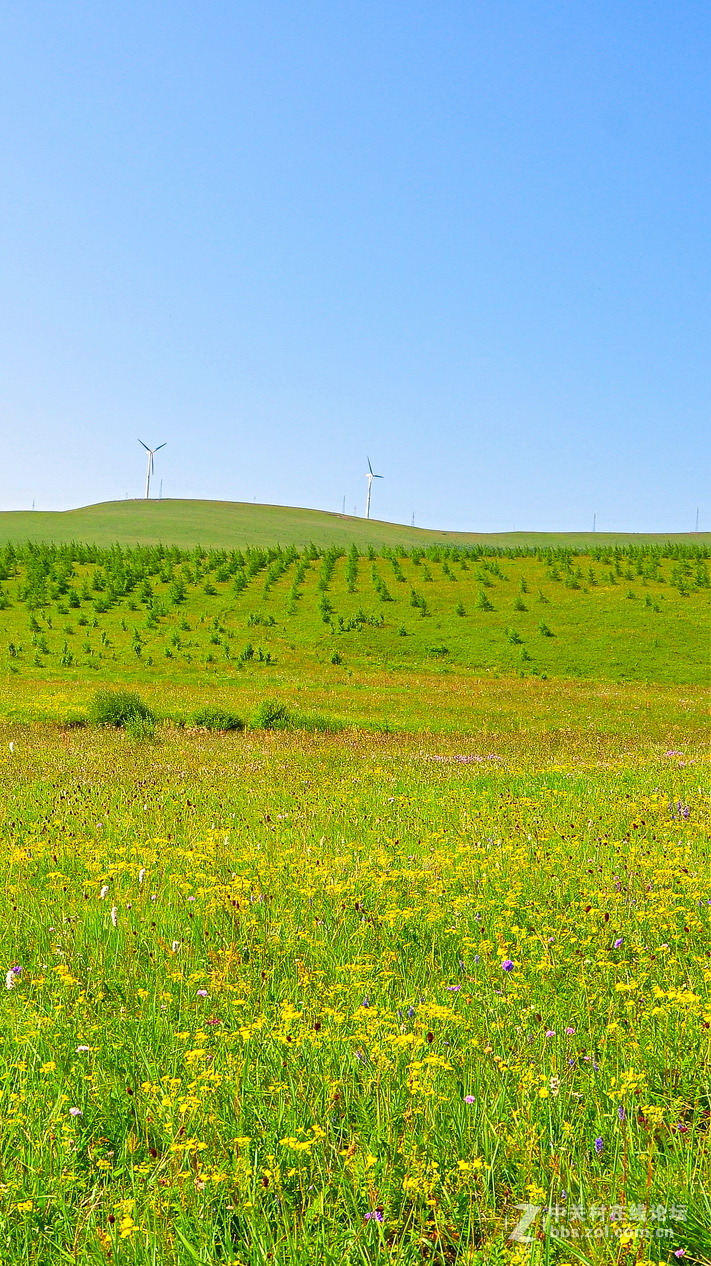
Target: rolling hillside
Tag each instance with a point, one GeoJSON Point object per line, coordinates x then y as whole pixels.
{"type": "Point", "coordinates": [235, 524]}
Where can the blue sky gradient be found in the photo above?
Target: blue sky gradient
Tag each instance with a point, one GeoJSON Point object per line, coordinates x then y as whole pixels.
{"type": "Point", "coordinates": [469, 240]}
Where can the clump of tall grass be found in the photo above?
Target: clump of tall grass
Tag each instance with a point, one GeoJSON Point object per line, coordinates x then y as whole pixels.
{"type": "Point", "coordinates": [212, 718]}
{"type": "Point", "coordinates": [273, 715]}
{"type": "Point", "coordinates": [120, 708]}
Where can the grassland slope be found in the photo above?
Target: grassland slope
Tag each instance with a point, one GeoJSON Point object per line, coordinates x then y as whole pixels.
{"type": "Point", "coordinates": [235, 524]}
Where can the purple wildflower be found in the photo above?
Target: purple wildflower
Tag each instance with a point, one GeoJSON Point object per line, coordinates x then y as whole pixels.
{"type": "Point", "coordinates": [202, 993]}
{"type": "Point", "coordinates": [75, 1112]}
{"type": "Point", "coordinates": [507, 965]}
{"type": "Point", "coordinates": [375, 1215]}
{"type": "Point", "coordinates": [680, 1252]}
{"type": "Point", "coordinates": [550, 1032]}
{"type": "Point", "coordinates": [599, 1146]}
{"type": "Point", "coordinates": [618, 942]}
{"type": "Point", "coordinates": [621, 1114]}
{"type": "Point", "coordinates": [569, 1031]}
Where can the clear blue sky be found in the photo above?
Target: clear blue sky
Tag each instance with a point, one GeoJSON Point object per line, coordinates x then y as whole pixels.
{"type": "Point", "coordinates": [469, 240]}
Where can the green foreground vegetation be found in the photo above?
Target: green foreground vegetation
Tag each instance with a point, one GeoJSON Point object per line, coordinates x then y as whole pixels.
{"type": "Point", "coordinates": [384, 912]}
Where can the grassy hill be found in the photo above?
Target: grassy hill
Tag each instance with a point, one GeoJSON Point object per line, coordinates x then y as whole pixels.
{"type": "Point", "coordinates": [236, 524]}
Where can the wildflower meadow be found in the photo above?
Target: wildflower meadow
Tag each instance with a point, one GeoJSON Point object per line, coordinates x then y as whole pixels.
{"type": "Point", "coordinates": [409, 966]}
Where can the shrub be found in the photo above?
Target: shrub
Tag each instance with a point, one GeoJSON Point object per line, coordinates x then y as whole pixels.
{"type": "Point", "coordinates": [272, 715]}
{"type": "Point", "coordinates": [118, 707]}
{"type": "Point", "coordinates": [217, 719]}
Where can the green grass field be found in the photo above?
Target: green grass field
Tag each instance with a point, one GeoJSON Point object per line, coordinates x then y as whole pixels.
{"type": "Point", "coordinates": [356, 990]}
{"type": "Point", "coordinates": [357, 633]}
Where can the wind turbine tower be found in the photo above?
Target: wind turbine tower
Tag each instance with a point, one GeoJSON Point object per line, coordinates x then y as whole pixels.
{"type": "Point", "coordinates": [149, 470]}
{"type": "Point", "coordinates": [370, 477]}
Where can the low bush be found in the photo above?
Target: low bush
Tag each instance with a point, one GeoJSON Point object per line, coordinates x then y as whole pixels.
{"type": "Point", "coordinates": [118, 708]}
{"type": "Point", "coordinates": [272, 715]}
{"type": "Point", "coordinates": [217, 719]}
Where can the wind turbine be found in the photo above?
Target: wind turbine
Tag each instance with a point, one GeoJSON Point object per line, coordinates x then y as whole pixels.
{"type": "Point", "coordinates": [149, 471]}
{"type": "Point", "coordinates": [370, 477]}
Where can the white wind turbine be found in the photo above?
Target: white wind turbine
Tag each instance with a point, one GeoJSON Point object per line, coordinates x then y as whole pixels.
{"type": "Point", "coordinates": [149, 470]}
{"type": "Point", "coordinates": [370, 477]}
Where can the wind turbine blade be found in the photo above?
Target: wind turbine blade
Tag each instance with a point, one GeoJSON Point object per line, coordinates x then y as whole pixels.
{"type": "Point", "coordinates": [155, 450]}
{"type": "Point", "coordinates": [370, 468]}
{"type": "Point", "coordinates": [145, 446]}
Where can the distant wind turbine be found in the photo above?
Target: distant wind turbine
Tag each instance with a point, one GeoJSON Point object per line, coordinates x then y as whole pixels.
{"type": "Point", "coordinates": [149, 470]}
{"type": "Point", "coordinates": [370, 477]}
